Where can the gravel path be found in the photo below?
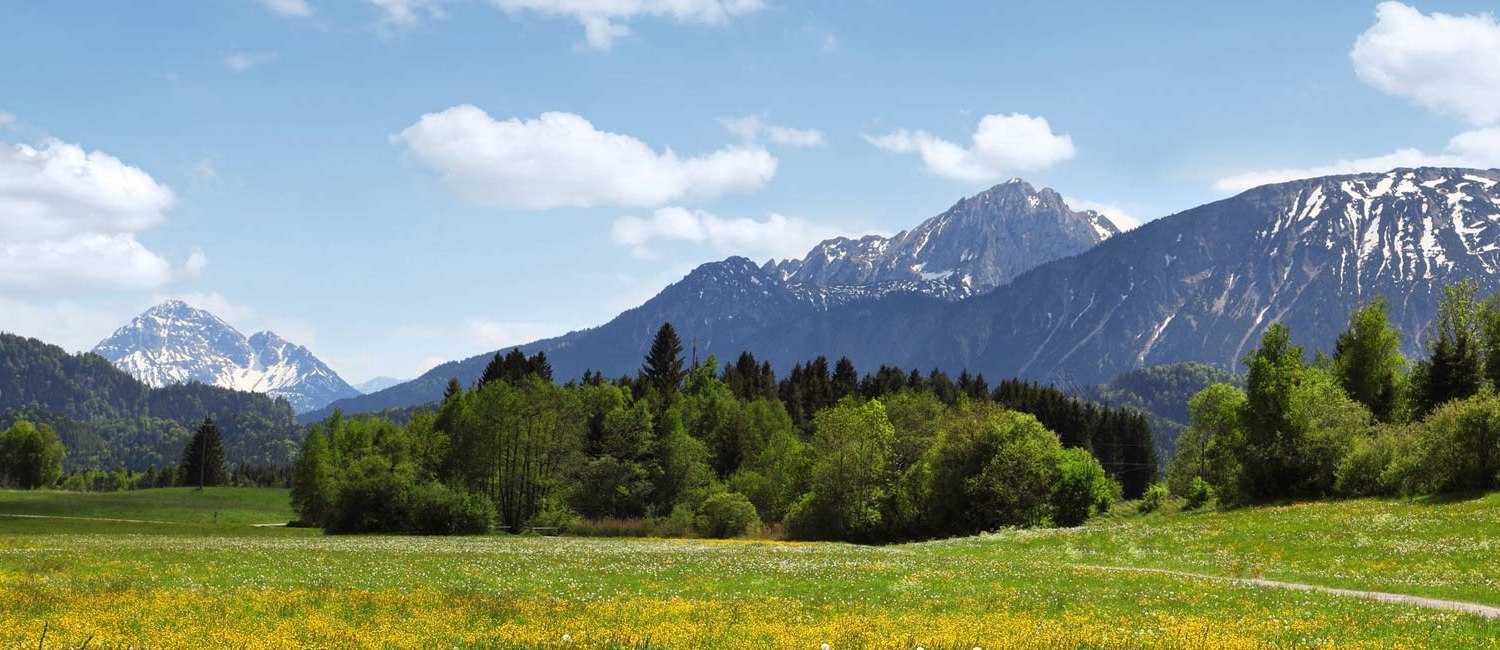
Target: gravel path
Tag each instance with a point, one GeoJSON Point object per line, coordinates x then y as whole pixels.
{"type": "Point", "coordinates": [1476, 609]}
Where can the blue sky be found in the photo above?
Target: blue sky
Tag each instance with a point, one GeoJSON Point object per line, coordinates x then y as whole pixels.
{"type": "Point", "coordinates": [399, 182]}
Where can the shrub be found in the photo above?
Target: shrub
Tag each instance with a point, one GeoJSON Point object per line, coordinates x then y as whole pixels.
{"type": "Point", "coordinates": [1199, 494]}
{"type": "Point", "coordinates": [1370, 467]}
{"type": "Point", "coordinates": [438, 510]}
{"type": "Point", "coordinates": [677, 524]}
{"type": "Point", "coordinates": [1459, 447]}
{"type": "Point", "coordinates": [375, 499]}
{"type": "Point", "coordinates": [1154, 497]}
{"type": "Point", "coordinates": [1082, 490]}
{"type": "Point", "coordinates": [611, 527]}
{"type": "Point", "coordinates": [727, 514]}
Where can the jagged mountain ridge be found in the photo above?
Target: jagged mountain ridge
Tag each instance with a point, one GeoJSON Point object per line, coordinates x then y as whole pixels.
{"type": "Point", "coordinates": [980, 241]}
{"type": "Point", "coordinates": [175, 343]}
{"type": "Point", "coordinates": [1200, 285]}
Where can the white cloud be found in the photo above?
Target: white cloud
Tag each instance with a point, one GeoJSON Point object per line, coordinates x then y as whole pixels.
{"type": "Point", "coordinates": [407, 12]}
{"type": "Point", "coordinates": [90, 261]}
{"type": "Point", "coordinates": [1003, 144]}
{"type": "Point", "coordinates": [560, 159]}
{"type": "Point", "coordinates": [297, 8]}
{"type": "Point", "coordinates": [69, 218]}
{"type": "Point", "coordinates": [1478, 148]}
{"type": "Point", "coordinates": [1121, 217]}
{"type": "Point", "coordinates": [775, 236]}
{"type": "Point", "coordinates": [245, 61]}
{"type": "Point", "coordinates": [498, 334]}
{"type": "Point", "coordinates": [1450, 64]}
{"type": "Point", "coordinates": [64, 323]}
{"type": "Point", "coordinates": [604, 20]}
{"type": "Point", "coordinates": [750, 128]}
{"type": "Point", "coordinates": [216, 304]}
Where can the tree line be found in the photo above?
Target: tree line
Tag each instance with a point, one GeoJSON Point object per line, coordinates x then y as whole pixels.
{"type": "Point", "coordinates": [1364, 421]}
{"type": "Point", "coordinates": [823, 453]}
{"type": "Point", "coordinates": [109, 420]}
{"type": "Point", "coordinates": [31, 457]}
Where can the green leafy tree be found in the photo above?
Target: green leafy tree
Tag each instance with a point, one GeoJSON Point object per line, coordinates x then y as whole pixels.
{"type": "Point", "coordinates": [30, 457]}
{"type": "Point", "coordinates": [664, 364]}
{"type": "Point", "coordinates": [1367, 359]}
{"type": "Point", "coordinates": [1268, 434]}
{"type": "Point", "coordinates": [203, 460]}
{"type": "Point", "coordinates": [991, 468]}
{"type": "Point", "coordinates": [847, 484]}
{"type": "Point", "coordinates": [1205, 447]}
{"type": "Point", "coordinates": [1453, 368]}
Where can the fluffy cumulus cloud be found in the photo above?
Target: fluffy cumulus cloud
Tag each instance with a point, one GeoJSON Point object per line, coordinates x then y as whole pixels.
{"type": "Point", "coordinates": [1446, 63]}
{"type": "Point", "coordinates": [296, 8]}
{"type": "Point", "coordinates": [69, 218]}
{"type": "Point", "coordinates": [561, 160]}
{"type": "Point", "coordinates": [751, 128]}
{"type": "Point", "coordinates": [775, 236]}
{"type": "Point", "coordinates": [1002, 145]}
{"type": "Point", "coordinates": [605, 20]}
{"type": "Point", "coordinates": [1478, 148]}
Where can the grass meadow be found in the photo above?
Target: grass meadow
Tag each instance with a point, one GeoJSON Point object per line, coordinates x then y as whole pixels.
{"type": "Point", "coordinates": [190, 582]}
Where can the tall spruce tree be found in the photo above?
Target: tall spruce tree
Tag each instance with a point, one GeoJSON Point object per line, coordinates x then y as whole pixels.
{"type": "Point", "coordinates": [1453, 368]}
{"type": "Point", "coordinates": [203, 459]}
{"type": "Point", "coordinates": [845, 379]}
{"type": "Point", "coordinates": [664, 366]}
{"type": "Point", "coordinates": [1367, 359]}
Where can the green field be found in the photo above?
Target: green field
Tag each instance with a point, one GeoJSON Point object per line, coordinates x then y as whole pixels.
{"type": "Point", "coordinates": [195, 583]}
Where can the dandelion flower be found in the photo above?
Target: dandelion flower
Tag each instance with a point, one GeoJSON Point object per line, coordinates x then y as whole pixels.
{"type": "Point", "coordinates": [567, 638]}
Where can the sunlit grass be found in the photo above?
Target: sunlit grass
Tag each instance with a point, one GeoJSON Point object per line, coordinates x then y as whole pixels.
{"type": "Point", "coordinates": [200, 585]}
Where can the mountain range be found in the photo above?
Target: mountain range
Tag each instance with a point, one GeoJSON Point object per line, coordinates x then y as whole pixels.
{"type": "Point", "coordinates": [978, 244]}
{"type": "Point", "coordinates": [175, 343]}
{"type": "Point", "coordinates": [1012, 282]}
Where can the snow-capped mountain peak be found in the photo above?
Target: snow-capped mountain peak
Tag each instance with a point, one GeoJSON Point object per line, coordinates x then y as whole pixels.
{"type": "Point", "coordinates": [174, 342]}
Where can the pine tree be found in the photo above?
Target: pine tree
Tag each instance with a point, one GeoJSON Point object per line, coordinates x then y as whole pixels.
{"type": "Point", "coordinates": [203, 459]}
{"type": "Point", "coordinates": [453, 388]}
{"type": "Point", "coordinates": [845, 379]}
{"type": "Point", "coordinates": [664, 366]}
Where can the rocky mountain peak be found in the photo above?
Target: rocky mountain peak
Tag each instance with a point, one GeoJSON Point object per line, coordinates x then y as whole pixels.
{"type": "Point", "coordinates": [174, 342]}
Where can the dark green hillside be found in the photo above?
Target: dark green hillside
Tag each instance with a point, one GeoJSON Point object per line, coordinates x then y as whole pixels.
{"type": "Point", "coordinates": [1161, 393]}
{"type": "Point", "coordinates": [107, 419]}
